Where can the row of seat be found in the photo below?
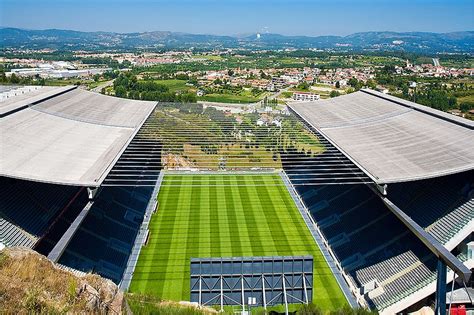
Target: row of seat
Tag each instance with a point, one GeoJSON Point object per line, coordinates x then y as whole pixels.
{"type": "Point", "coordinates": [449, 225]}
{"type": "Point", "coordinates": [12, 235]}
{"type": "Point", "coordinates": [410, 282]}
{"type": "Point", "coordinates": [442, 206]}
{"type": "Point", "coordinates": [105, 238]}
{"type": "Point", "coordinates": [29, 208]}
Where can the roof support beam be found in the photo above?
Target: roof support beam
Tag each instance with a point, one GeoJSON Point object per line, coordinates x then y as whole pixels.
{"type": "Point", "coordinates": [92, 192]}
{"type": "Point", "coordinates": [60, 247]}
{"type": "Point", "coordinates": [382, 189]}
{"type": "Point", "coordinates": [440, 308]}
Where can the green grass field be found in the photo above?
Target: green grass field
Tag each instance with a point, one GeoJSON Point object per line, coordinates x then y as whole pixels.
{"type": "Point", "coordinates": [466, 99]}
{"type": "Point", "coordinates": [176, 85]}
{"type": "Point", "coordinates": [231, 98]}
{"type": "Point", "coordinates": [224, 216]}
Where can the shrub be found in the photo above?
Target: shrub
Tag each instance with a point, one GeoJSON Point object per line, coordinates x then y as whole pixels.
{"type": "Point", "coordinates": [310, 309]}
{"type": "Point", "coordinates": [347, 310]}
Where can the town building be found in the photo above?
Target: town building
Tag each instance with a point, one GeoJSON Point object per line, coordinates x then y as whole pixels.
{"type": "Point", "coordinates": [305, 96]}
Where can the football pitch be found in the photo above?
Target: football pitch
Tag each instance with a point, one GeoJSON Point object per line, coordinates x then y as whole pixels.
{"type": "Point", "coordinates": [228, 215]}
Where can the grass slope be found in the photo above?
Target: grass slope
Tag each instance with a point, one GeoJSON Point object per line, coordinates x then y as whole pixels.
{"type": "Point", "coordinates": [223, 216]}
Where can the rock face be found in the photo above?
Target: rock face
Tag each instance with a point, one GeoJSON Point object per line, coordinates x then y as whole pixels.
{"type": "Point", "coordinates": [30, 283]}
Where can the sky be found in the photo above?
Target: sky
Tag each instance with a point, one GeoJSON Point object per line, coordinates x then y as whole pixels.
{"type": "Point", "coordinates": [233, 17]}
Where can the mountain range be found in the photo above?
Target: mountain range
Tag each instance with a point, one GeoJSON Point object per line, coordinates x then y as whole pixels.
{"type": "Point", "coordinates": [454, 42]}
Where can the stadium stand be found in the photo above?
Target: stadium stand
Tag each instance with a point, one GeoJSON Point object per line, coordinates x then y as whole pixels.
{"type": "Point", "coordinates": [443, 206]}
{"type": "Point", "coordinates": [28, 209]}
{"type": "Point", "coordinates": [68, 138]}
{"type": "Point", "coordinates": [69, 141]}
{"type": "Point", "coordinates": [372, 244]}
{"type": "Point", "coordinates": [425, 157]}
{"type": "Point", "coordinates": [111, 226]}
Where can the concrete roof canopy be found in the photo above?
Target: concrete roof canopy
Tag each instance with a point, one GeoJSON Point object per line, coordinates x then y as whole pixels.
{"type": "Point", "coordinates": [73, 138]}
{"type": "Point", "coordinates": [96, 108]}
{"type": "Point", "coordinates": [393, 140]}
{"type": "Point", "coordinates": [22, 97]}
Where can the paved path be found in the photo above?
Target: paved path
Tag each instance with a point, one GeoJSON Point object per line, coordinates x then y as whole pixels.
{"type": "Point", "coordinates": [99, 88]}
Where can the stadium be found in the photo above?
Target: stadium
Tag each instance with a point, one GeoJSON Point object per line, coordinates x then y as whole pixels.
{"type": "Point", "coordinates": [364, 199]}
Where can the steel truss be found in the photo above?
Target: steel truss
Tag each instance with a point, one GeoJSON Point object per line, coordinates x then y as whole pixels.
{"type": "Point", "coordinates": [270, 280]}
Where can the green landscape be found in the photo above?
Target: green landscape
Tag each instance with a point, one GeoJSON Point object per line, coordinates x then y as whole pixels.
{"type": "Point", "coordinates": [228, 215]}
{"type": "Point", "coordinates": [243, 98]}
{"type": "Point", "coordinates": [175, 85]}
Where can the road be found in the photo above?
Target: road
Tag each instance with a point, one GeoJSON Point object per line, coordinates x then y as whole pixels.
{"type": "Point", "coordinates": [99, 88]}
{"type": "Point", "coordinates": [277, 94]}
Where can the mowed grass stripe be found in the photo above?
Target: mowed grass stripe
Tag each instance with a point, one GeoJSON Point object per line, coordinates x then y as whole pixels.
{"type": "Point", "coordinates": [166, 231]}
{"type": "Point", "coordinates": [191, 250]}
{"type": "Point", "coordinates": [277, 231]}
{"type": "Point", "coordinates": [256, 246]}
{"type": "Point", "coordinates": [214, 211]}
{"type": "Point", "coordinates": [232, 224]}
{"type": "Point", "coordinates": [225, 216]}
{"type": "Point", "coordinates": [203, 228]}
{"type": "Point", "coordinates": [274, 238]}
{"type": "Point", "coordinates": [223, 221]}
{"type": "Point", "coordinates": [238, 213]}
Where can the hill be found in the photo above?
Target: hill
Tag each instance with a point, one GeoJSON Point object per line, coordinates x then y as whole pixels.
{"type": "Point", "coordinates": [31, 283]}
{"type": "Point", "coordinates": [455, 42]}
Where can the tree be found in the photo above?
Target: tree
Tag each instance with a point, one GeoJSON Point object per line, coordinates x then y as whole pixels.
{"type": "Point", "coordinates": [371, 84]}
{"type": "Point", "coordinates": [120, 91]}
{"type": "Point", "coordinates": [354, 83]}
{"type": "Point", "coordinates": [189, 98]}
{"type": "Point", "coordinates": [303, 86]}
{"type": "Point", "coordinates": [14, 79]}
{"type": "Point", "coordinates": [3, 77]}
{"type": "Point", "coordinates": [334, 93]}
{"type": "Point", "coordinates": [310, 309]}
{"type": "Point", "coordinates": [338, 85]}
{"type": "Point", "coordinates": [263, 75]}
{"type": "Point", "coordinates": [193, 81]}
{"type": "Point", "coordinates": [465, 107]}
{"type": "Point", "coordinates": [182, 76]}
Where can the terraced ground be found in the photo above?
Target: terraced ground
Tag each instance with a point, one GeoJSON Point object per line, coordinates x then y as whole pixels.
{"type": "Point", "coordinates": [225, 215]}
